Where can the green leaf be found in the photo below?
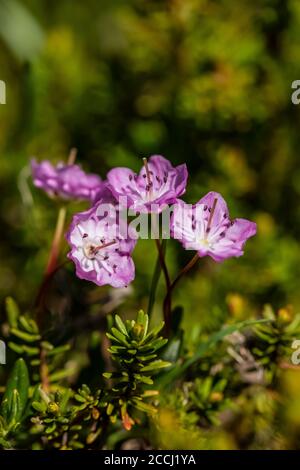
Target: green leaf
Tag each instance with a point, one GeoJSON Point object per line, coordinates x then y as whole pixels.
{"type": "Point", "coordinates": [171, 352]}
{"type": "Point", "coordinates": [119, 336]}
{"type": "Point", "coordinates": [143, 321]}
{"type": "Point", "coordinates": [12, 311]}
{"type": "Point", "coordinates": [132, 351]}
{"type": "Point", "coordinates": [79, 398]}
{"type": "Point", "coordinates": [27, 325]}
{"type": "Point", "coordinates": [154, 345]}
{"type": "Point", "coordinates": [17, 348]}
{"type": "Point", "coordinates": [144, 379]}
{"type": "Point", "coordinates": [35, 397]}
{"type": "Point", "coordinates": [59, 350]}
{"type": "Point", "coordinates": [146, 358]}
{"type": "Point", "coordinates": [110, 409]}
{"type": "Point", "coordinates": [61, 374]}
{"type": "Point", "coordinates": [117, 349]}
{"type": "Point", "coordinates": [145, 325]}
{"type": "Point", "coordinates": [107, 375]}
{"type": "Point", "coordinates": [15, 411]}
{"type": "Point", "coordinates": [19, 381]}
{"type": "Point", "coordinates": [28, 337]}
{"type": "Point", "coordinates": [144, 407]}
{"type": "Point", "coordinates": [121, 325]}
{"type": "Point", "coordinates": [155, 365]}
{"type": "Point", "coordinates": [153, 334]}
{"type": "Point", "coordinates": [30, 350]}
{"type": "Point", "coordinates": [41, 407]}
{"type": "Point", "coordinates": [112, 338]}
{"type": "Point", "coordinates": [50, 429]}
{"type": "Point", "coordinates": [140, 317]}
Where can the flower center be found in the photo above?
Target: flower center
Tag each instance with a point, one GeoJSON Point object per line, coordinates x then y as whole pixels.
{"type": "Point", "coordinates": [91, 249]}
{"type": "Point", "coordinates": [204, 243]}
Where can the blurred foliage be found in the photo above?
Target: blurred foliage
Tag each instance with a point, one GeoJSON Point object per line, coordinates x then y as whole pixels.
{"type": "Point", "coordinates": [206, 82]}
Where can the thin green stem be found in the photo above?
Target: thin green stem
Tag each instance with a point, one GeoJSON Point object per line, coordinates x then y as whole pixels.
{"type": "Point", "coordinates": [161, 257]}
{"type": "Point", "coordinates": [155, 280]}
{"type": "Point", "coordinates": [168, 299]}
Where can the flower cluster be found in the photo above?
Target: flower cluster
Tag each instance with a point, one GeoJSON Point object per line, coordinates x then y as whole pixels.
{"type": "Point", "coordinates": [101, 246]}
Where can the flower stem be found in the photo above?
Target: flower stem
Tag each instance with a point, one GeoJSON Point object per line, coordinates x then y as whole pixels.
{"type": "Point", "coordinates": [54, 252]}
{"type": "Point", "coordinates": [163, 262]}
{"type": "Point", "coordinates": [161, 257]}
{"type": "Point", "coordinates": [52, 264]}
{"type": "Point", "coordinates": [60, 224]}
{"type": "Point", "coordinates": [166, 274]}
{"type": "Point", "coordinates": [72, 156]}
{"type": "Point", "coordinates": [187, 267]}
{"type": "Point", "coordinates": [168, 299]}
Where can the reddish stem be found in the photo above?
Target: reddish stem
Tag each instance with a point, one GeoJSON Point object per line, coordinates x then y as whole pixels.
{"type": "Point", "coordinates": [52, 264]}
{"type": "Point", "coordinates": [55, 248]}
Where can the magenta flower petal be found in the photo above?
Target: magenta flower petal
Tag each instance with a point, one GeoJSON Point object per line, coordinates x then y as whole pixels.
{"type": "Point", "coordinates": [123, 183]}
{"type": "Point", "coordinates": [221, 210]}
{"type": "Point", "coordinates": [206, 228]}
{"type": "Point", "coordinates": [104, 194]}
{"type": "Point", "coordinates": [44, 176]}
{"type": "Point", "coordinates": [65, 181]}
{"type": "Point", "coordinates": [157, 185]}
{"type": "Point", "coordinates": [99, 250]}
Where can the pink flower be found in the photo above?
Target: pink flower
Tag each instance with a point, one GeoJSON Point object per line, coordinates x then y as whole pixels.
{"type": "Point", "coordinates": [100, 250]}
{"type": "Point", "coordinates": [65, 181]}
{"type": "Point", "coordinates": [206, 228]}
{"type": "Point", "coordinates": [157, 185]}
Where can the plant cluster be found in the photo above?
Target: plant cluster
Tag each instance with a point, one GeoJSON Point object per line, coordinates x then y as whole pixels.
{"type": "Point", "coordinates": [63, 418]}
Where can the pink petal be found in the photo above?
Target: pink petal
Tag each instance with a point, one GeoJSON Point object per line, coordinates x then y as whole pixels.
{"type": "Point", "coordinates": [221, 210]}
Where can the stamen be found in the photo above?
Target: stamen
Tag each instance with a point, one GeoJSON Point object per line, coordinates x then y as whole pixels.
{"type": "Point", "coordinates": [148, 173]}
{"type": "Point", "coordinates": [211, 215]}
{"type": "Point", "coordinates": [105, 245]}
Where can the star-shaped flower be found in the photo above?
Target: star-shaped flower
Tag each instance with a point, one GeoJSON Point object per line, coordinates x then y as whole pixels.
{"type": "Point", "coordinates": [100, 250]}
{"type": "Point", "coordinates": [206, 228]}
{"type": "Point", "coordinates": [157, 185]}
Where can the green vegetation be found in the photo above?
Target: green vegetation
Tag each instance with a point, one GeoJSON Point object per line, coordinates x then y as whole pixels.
{"type": "Point", "coordinates": [206, 82]}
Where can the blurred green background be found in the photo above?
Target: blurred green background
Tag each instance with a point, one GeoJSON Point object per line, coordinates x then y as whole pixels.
{"type": "Point", "coordinates": [202, 82]}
